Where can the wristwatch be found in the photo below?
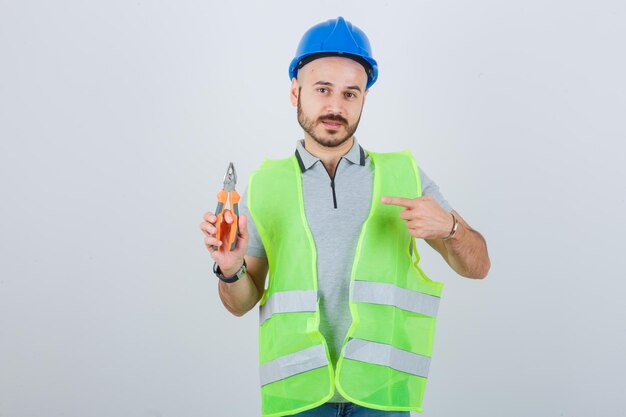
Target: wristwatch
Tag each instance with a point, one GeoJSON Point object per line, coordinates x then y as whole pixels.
{"type": "Point", "coordinates": [218, 273]}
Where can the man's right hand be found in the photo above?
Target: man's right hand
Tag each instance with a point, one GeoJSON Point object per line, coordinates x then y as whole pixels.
{"type": "Point", "coordinates": [229, 262]}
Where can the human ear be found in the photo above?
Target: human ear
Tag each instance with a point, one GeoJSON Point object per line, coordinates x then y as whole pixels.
{"type": "Point", "coordinates": [294, 92]}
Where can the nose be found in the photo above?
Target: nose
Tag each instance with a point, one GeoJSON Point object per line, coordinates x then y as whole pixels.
{"type": "Point", "coordinates": [334, 105]}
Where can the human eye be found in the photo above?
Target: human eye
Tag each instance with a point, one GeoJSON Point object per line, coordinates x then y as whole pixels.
{"type": "Point", "coordinates": [350, 95]}
{"type": "Point", "coordinates": [322, 90]}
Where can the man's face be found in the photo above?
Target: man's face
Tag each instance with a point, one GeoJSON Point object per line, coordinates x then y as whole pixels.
{"type": "Point", "coordinates": [329, 94]}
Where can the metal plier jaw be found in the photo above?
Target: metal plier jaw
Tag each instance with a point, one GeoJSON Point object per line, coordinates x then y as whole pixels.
{"type": "Point", "coordinates": [226, 232]}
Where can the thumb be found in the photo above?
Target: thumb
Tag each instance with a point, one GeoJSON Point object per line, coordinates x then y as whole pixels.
{"type": "Point", "coordinates": [243, 226]}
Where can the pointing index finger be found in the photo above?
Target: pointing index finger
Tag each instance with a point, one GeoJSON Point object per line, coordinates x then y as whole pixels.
{"type": "Point", "coordinates": [397, 201]}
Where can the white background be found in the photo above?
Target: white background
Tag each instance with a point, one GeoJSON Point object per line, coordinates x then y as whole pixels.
{"type": "Point", "coordinates": [118, 120]}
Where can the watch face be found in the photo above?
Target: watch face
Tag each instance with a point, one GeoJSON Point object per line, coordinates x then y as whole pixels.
{"type": "Point", "coordinates": [240, 273]}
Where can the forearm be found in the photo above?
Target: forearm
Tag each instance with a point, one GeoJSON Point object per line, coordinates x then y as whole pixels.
{"type": "Point", "coordinates": [467, 252]}
{"type": "Point", "coordinates": [240, 296]}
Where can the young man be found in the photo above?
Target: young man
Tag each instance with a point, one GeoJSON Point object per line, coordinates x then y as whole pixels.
{"type": "Point", "coordinates": [347, 318]}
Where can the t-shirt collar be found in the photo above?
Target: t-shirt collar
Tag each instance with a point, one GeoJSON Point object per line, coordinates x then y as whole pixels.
{"type": "Point", "coordinates": [306, 160]}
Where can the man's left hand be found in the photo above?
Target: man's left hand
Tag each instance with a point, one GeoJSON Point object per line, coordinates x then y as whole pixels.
{"type": "Point", "coordinates": [425, 219]}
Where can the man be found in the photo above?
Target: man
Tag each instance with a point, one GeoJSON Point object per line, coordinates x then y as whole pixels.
{"type": "Point", "coordinates": [347, 318]}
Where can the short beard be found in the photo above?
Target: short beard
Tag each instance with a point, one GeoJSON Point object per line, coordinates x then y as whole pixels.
{"type": "Point", "coordinates": [308, 125]}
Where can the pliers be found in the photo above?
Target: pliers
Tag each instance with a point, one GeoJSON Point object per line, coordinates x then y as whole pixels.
{"type": "Point", "coordinates": [231, 230]}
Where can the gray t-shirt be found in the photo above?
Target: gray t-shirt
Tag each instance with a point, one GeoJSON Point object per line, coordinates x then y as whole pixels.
{"type": "Point", "coordinates": [336, 209]}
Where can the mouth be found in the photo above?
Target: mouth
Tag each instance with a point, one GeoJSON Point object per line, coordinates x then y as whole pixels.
{"type": "Point", "coordinates": [332, 125]}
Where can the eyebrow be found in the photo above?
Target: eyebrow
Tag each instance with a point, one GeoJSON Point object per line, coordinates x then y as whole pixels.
{"type": "Point", "coordinates": [350, 87]}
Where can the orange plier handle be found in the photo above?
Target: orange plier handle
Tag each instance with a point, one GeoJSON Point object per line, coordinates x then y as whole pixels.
{"type": "Point", "coordinates": [223, 229]}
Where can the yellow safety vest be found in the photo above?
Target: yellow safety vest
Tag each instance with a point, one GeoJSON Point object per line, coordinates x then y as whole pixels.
{"type": "Point", "coordinates": [386, 354]}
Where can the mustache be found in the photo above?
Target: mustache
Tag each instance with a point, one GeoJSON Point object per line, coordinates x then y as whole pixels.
{"type": "Point", "coordinates": [334, 118]}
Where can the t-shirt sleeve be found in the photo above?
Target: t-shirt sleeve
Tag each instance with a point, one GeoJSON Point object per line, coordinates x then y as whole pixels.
{"type": "Point", "coordinates": [430, 188]}
{"type": "Point", "coordinates": [255, 244]}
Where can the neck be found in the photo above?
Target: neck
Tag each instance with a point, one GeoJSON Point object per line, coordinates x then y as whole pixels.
{"type": "Point", "coordinates": [329, 156]}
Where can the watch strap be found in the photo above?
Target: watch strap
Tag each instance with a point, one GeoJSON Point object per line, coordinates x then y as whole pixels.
{"type": "Point", "coordinates": [218, 273]}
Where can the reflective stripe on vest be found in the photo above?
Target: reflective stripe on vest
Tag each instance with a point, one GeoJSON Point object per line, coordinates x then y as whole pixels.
{"type": "Point", "coordinates": [392, 295]}
{"type": "Point", "coordinates": [387, 355]}
{"type": "Point", "coordinates": [288, 302]}
{"type": "Point", "coordinates": [293, 364]}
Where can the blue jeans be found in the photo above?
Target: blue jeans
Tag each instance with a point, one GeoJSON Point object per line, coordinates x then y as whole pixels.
{"type": "Point", "coordinates": [349, 410]}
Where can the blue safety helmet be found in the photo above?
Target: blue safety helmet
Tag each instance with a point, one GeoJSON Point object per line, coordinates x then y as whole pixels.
{"type": "Point", "coordinates": [335, 37]}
